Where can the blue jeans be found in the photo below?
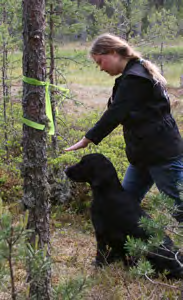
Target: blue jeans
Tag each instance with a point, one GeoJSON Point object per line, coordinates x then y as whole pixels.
{"type": "Point", "coordinates": [168, 178]}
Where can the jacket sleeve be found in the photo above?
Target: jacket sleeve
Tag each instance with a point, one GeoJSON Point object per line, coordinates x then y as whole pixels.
{"type": "Point", "coordinates": [131, 89]}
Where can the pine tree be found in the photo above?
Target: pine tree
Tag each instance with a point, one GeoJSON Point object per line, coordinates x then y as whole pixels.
{"type": "Point", "coordinates": [125, 17]}
{"type": "Point", "coordinates": [36, 189]}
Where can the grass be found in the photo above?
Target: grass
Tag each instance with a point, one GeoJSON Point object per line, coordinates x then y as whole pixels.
{"type": "Point", "coordinates": [172, 46]}
{"type": "Point", "coordinates": [15, 60]}
{"type": "Point", "coordinates": [91, 76]}
{"type": "Point", "coordinates": [88, 76]}
{"type": "Point", "coordinates": [172, 72]}
{"type": "Point", "coordinates": [86, 73]}
{"type": "Point", "coordinates": [73, 251]}
{"type": "Point", "coordinates": [76, 66]}
{"type": "Point", "coordinates": [75, 278]}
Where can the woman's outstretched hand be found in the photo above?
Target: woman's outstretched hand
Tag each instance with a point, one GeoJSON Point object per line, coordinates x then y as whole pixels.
{"type": "Point", "coordinates": [81, 144]}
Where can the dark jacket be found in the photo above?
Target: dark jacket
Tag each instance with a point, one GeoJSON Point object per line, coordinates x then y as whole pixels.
{"type": "Point", "coordinates": [142, 106]}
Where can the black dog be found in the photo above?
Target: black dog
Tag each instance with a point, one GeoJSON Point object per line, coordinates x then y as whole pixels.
{"type": "Point", "coordinates": [116, 214]}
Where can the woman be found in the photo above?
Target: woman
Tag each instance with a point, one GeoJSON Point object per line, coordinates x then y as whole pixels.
{"type": "Point", "coordinates": [140, 103]}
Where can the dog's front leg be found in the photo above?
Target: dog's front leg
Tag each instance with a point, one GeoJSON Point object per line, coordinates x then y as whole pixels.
{"type": "Point", "coordinates": [102, 252]}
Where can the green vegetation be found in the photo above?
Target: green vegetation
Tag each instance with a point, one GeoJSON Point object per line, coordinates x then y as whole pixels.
{"type": "Point", "coordinates": [77, 67]}
{"type": "Point", "coordinates": [71, 127]}
{"type": "Point", "coordinates": [173, 72]}
{"type": "Point", "coordinates": [71, 221]}
{"type": "Point", "coordinates": [74, 25]}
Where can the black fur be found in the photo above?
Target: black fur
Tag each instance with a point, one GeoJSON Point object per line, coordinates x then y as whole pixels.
{"type": "Point", "coordinates": [115, 215]}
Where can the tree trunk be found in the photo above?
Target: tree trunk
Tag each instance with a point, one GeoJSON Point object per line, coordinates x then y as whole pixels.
{"type": "Point", "coordinates": [128, 16]}
{"type": "Point", "coordinates": [51, 77]}
{"type": "Point", "coordinates": [181, 80]}
{"type": "Point", "coordinates": [34, 171]}
{"type": "Point", "coordinates": [161, 57]}
{"type": "Point", "coordinates": [4, 82]}
{"type": "Point", "coordinates": [10, 244]}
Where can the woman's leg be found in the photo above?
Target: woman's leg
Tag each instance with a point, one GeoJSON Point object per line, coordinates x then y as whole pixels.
{"type": "Point", "coordinates": [137, 181]}
{"type": "Point", "coordinates": [169, 180]}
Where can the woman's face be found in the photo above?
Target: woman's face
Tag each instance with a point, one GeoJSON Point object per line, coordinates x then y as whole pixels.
{"type": "Point", "coordinates": [111, 63]}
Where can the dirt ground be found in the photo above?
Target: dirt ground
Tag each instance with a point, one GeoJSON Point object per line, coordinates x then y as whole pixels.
{"type": "Point", "coordinates": [96, 97]}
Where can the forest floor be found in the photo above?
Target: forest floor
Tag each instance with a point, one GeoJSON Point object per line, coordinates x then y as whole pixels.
{"type": "Point", "coordinates": [73, 242]}
{"type": "Point", "coordinates": [73, 250]}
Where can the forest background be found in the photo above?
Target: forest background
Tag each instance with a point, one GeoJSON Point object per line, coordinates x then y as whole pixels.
{"type": "Point", "coordinates": [155, 28]}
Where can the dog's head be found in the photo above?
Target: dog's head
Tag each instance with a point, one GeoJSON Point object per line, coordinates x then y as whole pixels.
{"type": "Point", "coordinates": [93, 168]}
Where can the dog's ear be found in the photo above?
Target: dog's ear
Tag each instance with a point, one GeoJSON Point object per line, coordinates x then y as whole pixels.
{"type": "Point", "coordinates": [104, 175]}
{"type": "Point", "coordinates": [101, 179]}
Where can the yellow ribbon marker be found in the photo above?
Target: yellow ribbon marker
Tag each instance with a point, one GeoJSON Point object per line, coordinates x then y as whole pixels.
{"type": "Point", "coordinates": [48, 107]}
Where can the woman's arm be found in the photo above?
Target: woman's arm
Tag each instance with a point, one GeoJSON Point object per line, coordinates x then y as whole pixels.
{"type": "Point", "coordinates": [130, 91]}
{"type": "Point", "coordinates": [81, 144]}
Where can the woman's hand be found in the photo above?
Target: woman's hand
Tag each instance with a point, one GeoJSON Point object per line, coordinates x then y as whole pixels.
{"type": "Point", "coordinates": [81, 144]}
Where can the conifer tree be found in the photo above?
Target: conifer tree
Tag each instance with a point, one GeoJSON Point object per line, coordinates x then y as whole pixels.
{"type": "Point", "coordinates": [36, 189]}
{"type": "Point", "coordinates": [126, 17]}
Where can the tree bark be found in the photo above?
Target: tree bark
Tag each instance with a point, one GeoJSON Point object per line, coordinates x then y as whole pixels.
{"type": "Point", "coordinates": [4, 81]}
{"type": "Point", "coordinates": [161, 61]}
{"type": "Point", "coordinates": [34, 171]}
{"type": "Point", "coordinates": [13, 290]}
{"type": "Point", "coordinates": [128, 15]}
{"type": "Point", "coordinates": [51, 77]}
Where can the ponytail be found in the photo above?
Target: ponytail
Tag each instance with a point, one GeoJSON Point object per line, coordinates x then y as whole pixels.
{"type": "Point", "coordinates": [153, 71]}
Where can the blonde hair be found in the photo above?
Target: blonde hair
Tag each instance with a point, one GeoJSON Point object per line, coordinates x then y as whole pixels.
{"type": "Point", "coordinates": [108, 43]}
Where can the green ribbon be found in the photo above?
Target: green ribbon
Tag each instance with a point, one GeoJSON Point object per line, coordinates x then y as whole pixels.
{"type": "Point", "coordinates": [49, 114]}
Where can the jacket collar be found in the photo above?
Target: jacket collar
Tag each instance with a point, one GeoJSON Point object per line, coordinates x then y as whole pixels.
{"type": "Point", "coordinates": [129, 64]}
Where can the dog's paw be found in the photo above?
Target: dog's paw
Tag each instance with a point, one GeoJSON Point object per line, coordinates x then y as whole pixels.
{"type": "Point", "coordinates": [97, 263]}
